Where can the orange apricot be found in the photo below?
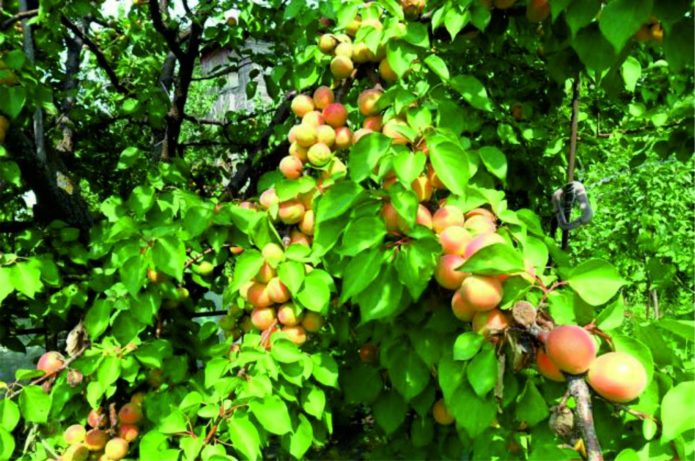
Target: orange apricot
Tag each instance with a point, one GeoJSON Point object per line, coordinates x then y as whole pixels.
{"type": "Point", "coordinates": [617, 376]}
{"type": "Point", "coordinates": [301, 105]}
{"type": "Point", "coordinates": [446, 216]}
{"type": "Point", "coordinates": [446, 273]}
{"type": "Point", "coordinates": [454, 240]}
{"type": "Point", "coordinates": [263, 317]}
{"type": "Point", "coordinates": [490, 322]}
{"type": "Point", "coordinates": [441, 413]}
{"type": "Point", "coordinates": [571, 348]}
{"type": "Point", "coordinates": [547, 368]}
{"type": "Point", "coordinates": [481, 293]}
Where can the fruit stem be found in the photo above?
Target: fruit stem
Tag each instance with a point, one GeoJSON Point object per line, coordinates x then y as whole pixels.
{"type": "Point", "coordinates": [585, 418]}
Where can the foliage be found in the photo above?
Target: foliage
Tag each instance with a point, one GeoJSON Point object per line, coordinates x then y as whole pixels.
{"type": "Point", "coordinates": [147, 226]}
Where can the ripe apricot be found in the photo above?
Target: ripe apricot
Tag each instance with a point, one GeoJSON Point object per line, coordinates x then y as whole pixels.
{"type": "Point", "coordinates": [263, 317]}
{"type": "Point", "coordinates": [446, 273]}
{"type": "Point", "coordinates": [50, 362]}
{"type": "Point", "coordinates": [422, 188]}
{"type": "Point", "coordinates": [325, 134]}
{"type": "Point", "coordinates": [327, 43]}
{"type": "Point", "coordinates": [481, 241]}
{"type": "Point", "coordinates": [305, 135]}
{"type": "Point", "coordinates": [273, 253]}
{"type": "Point", "coordinates": [373, 122]}
{"type": "Point", "coordinates": [300, 152]}
{"type": "Point", "coordinates": [130, 414]}
{"type": "Point", "coordinates": [306, 225]}
{"type": "Point", "coordinates": [291, 211]}
{"type": "Point", "coordinates": [296, 334]}
{"type": "Point", "coordinates": [547, 368]}
{"type": "Point", "coordinates": [368, 353]}
{"type": "Point", "coordinates": [299, 238]}
{"type": "Point", "coordinates": [341, 67]}
{"type": "Point", "coordinates": [319, 154]}
{"type": "Point", "coordinates": [95, 439]}
{"type": "Point", "coordinates": [258, 296]}
{"type": "Point", "coordinates": [481, 212]}
{"type": "Point", "coordinates": [617, 376]}
{"type": "Point", "coordinates": [116, 449]}
{"type": "Point", "coordinates": [343, 137]}
{"type": "Point", "coordinates": [335, 115]}
{"type": "Point", "coordinates": [344, 49]}
{"type": "Point", "coordinates": [386, 71]}
{"type": "Point", "coordinates": [392, 128]}
{"type": "Point", "coordinates": [313, 118]}
{"type": "Point", "coordinates": [128, 432]}
{"type": "Point", "coordinates": [446, 216]}
{"type": "Point", "coordinates": [74, 434]}
{"type": "Point", "coordinates": [478, 224]}
{"type": "Point", "coordinates": [482, 293]}
{"type": "Point", "coordinates": [504, 4]}
{"type": "Point", "coordinates": [461, 309]}
{"type": "Point", "coordinates": [268, 198]}
{"type": "Point", "coordinates": [323, 96]}
{"type": "Point", "coordinates": [336, 166]}
{"type": "Point", "coordinates": [277, 291]}
{"type": "Point", "coordinates": [388, 212]}
{"type": "Point", "coordinates": [413, 8]}
{"type": "Point", "coordinates": [361, 53]}
{"type": "Point", "coordinates": [301, 105]}
{"type": "Point", "coordinates": [441, 413]}
{"type": "Point", "coordinates": [312, 322]}
{"type": "Point", "coordinates": [434, 178]}
{"type": "Point", "coordinates": [289, 315]}
{"type": "Point", "coordinates": [571, 348]}
{"type": "Point", "coordinates": [367, 101]}
{"type": "Point", "coordinates": [537, 10]}
{"type": "Point", "coordinates": [96, 418]}
{"type": "Point", "coordinates": [490, 322]}
{"type": "Point", "coordinates": [265, 273]}
{"type": "Point", "coordinates": [291, 167]}
{"type": "Point", "coordinates": [360, 133]}
{"type": "Point", "coordinates": [77, 452]}
{"type": "Point", "coordinates": [454, 240]}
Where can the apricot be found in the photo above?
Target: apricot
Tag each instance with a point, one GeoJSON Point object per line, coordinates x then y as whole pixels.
{"type": "Point", "coordinates": [323, 96]}
{"type": "Point", "coordinates": [138, 398]}
{"type": "Point", "coordinates": [391, 130]}
{"type": "Point", "coordinates": [313, 118]}
{"type": "Point", "coordinates": [96, 418]}
{"type": "Point", "coordinates": [478, 224]}
{"type": "Point", "coordinates": [461, 309]}
{"type": "Point", "coordinates": [455, 240]}
{"type": "Point", "coordinates": [441, 413]}
{"type": "Point", "coordinates": [74, 434]}
{"type": "Point", "coordinates": [289, 315]}
{"type": "Point", "coordinates": [343, 137]}
{"type": "Point", "coordinates": [301, 105]}
{"type": "Point", "coordinates": [367, 101]}
{"type": "Point", "coordinates": [258, 295]}
{"type": "Point", "coordinates": [336, 166]}
{"type": "Point", "coordinates": [51, 362]}
{"type": "Point", "coordinates": [265, 273]}
{"type": "Point", "coordinates": [537, 10]}
{"type": "Point", "coordinates": [307, 198]}
{"type": "Point", "coordinates": [319, 154]}
{"type": "Point", "coordinates": [571, 348]}
{"type": "Point", "coordinates": [291, 211]}
{"type": "Point", "coordinates": [423, 218]}
{"type": "Point", "coordinates": [422, 188]}
{"type": "Point", "coordinates": [547, 368]}
{"type": "Point", "coordinates": [130, 414]}
{"type": "Point", "coordinates": [481, 212]}
{"type": "Point", "coordinates": [292, 134]}
{"type": "Point", "coordinates": [128, 432]}
{"type": "Point", "coordinates": [446, 273]}
{"type": "Point", "coordinates": [312, 322]}
{"type": "Point", "coordinates": [341, 67]}
{"type": "Point", "coordinates": [617, 376]}
{"type": "Point", "coordinates": [361, 53]}
{"type": "Point", "coordinates": [299, 238]}
{"type": "Point", "coordinates": [75, 453]}
{"type": "Point", "coordinates": [368, 353]}
{"type": "Point", "coordinates": [445, 217]}
{"type": "Point", "coordinates": [273, 253]}
{"type": "Point", "coordinates": [490, 322]}
{"type": "Point", "coordinates": [481, 241]}
{"type": "Point", "coordinates": [373, 122]}
{"type": "Point", "coordinates": [306, 135]}
{"type": "Point", "coordinates": [116, 448]}
{"type": "Point", "coordinates": [434, 178]}
{"type": "Point", "coordinates": [335, 115]}
{"type": "Point", "coordinates": [388, 212]}
{"type": "Point", "coordinates": [95, 439]}
{"type": "Point", "coordinates": [277, 291]}
{"type": "Point", "coordinates": [503, 4]}
{"type": "Point", "coordinates": [268, 198]}
{"type": "Point", "coordinates": [263, 317]}
{"type": "Point", "coordinates": [306, 225]}
{"type": "Point", "coordinates": [296, 334]}
{"type": "Point", "coordinates": [291, 167]}
{"type": "Point", "coordinates": [327, 43]}
{"type": "Point", "coordinates": [386, 71]}
{"type": "Point", "coordinates": [353, 27]}
{"type": "Point", "coordinates": [325, 134]}
{"type": "Point", "coordinates": [360, 133]}
{"type": "Point", "coordinates": [413, 8]}
{"type": "Point", "coordinates": [372, 22]}
{"type": "Point", "coordinates": [344, 49]}
{"type": "Point", "coordinates": [482, 293]}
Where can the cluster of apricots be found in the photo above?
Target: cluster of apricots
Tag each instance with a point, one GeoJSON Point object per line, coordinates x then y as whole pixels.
{"type": "Point", "coordinates": [95, 442]}
{"type": "Point", "coordinates": [270, 303]}
{"type": "Point", "coordinates": [615, 376]}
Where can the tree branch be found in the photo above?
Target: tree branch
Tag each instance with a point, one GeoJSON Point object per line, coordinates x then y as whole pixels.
{"type": "Point", "coordinates": [220, 73]}
{"type": "Point", "coordinates": [170, 35]}
{"type": "Point", "coordinates": [18, 17]}
{"type": "Point", "coordinates": [101, 59]}
{"type": "Point", "coordinates": [580, 391]}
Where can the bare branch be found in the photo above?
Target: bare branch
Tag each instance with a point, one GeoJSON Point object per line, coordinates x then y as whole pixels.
{"type": "Point", "coordinates": [220, 73]}
{"type": "Point", "coordinates": [18, 17]}
{"type": "Point", "coordinates": [170, 35]}
{"type": "Point", "coordinates": [585, 418]}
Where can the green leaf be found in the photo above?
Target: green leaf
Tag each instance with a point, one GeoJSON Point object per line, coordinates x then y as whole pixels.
{"type": "Point", "coordinates": [678, 44]}
{"type": "Point", "coordinates": [12, 100]}
{"type": "Point", "coordinates": [495, 259]}
{"type": "Point", "coordinates": [389, 411]}
{"type": "Point", "coordinates": [595, 281]}
{"type": "Point", "coordinates": [26, 278]}
{"type": "Point", "coordinates": [467, 345]}
{"type": "Point", "coordinates": [382, 298]}
{"type": "Point", "coordinates": [621, 19]}
{"type": "Point", "coordinates": [675, 415]}
{"type": "Point", "coordinates": [34, 404]}
{"type": "Point", "coordinates": [472, 91]}
{"type": "Point", "coordinates": [6, 286]}
{"type": "Point", "coordinates": [454, 21]}
{"type": "Point", "coordinates": [10, 172]}
{"type": "Point", "coordinates": [174, 422]}
{"type": "Point", "coordinates": [580, 13]}
{"type": "Point", "coordinates": [415, 264]}
{"type": "Point", "coordinates": [360, 272]}
{"type": "Point", "coordinates": [400, 56]}
{"type": "Point", "coordinates": [416, 34]}
{"type": "Point", "coordinates": [531, 407]}
{"type": "Point", "coordinates": [109, 371]}
{"type": "Point", "coordinates": [405, 203]}
{"type": "Point", "coordinates": [451, 165]}
{"type": "Point", "coordinates": [325, 369]}
{"type": "Point", "coordinates": [482, 370]}
{"type": "Point", "coordinates": [363, 233]}
{"type": "Point", "coordinates": [272, 413]}
{"type": "Point", "coordinates": [450, 375]}
{"type": "Point", "coordinates": [128, 157]}
{"type": "Point", "coordinates": [438, 66]}
{"type": "Point", "coordinates": [316, 293]}
{"type": "Point", "coordinates": [197, 219]}
{"type": "Point", "coordinates": [494, 160]}
{"type": "Point", "coordinates": [361, 384]}
{"type": "Point", "coordinates": [285, 351]}
{"type": "Point", "coordinates": [301, 438]}
{"type": "Point", "coordinates": [683, 328]}
{"type": "Point", "coordinates": [337, 200]}
{"type": "Point", "coordinates": [480, 15]}
{"type": "Point", "coordinates": [292, 274]}
{"type": "Point", "coordinates": [474, 414]}
{"type": "Point", "coordinates": [314, 401]}
{"type": "Point", "coordinates": [7, 444]}
{"type": "Point", "coordinates": [612, 316]}
{"type": "Point", "coordinates": [9, 414]}
{"type": "Point", "coordinates": [409, 374]}
{"type": "Point", "coordinates": [594, 51]}
{"type": "Point", "coordinates": [365, 155]}
{"type": "Point", "coordinates": [244, 435]}
{"type": "Point", "coordinates": [246, 267]}
{"type": "Point", "coordinates": [631, 70]}
{"type": "Point", "coordinates": [408, 166]}
{"type": "Point", "coordinates": [133, 274]}
{"type": "Point", "coordinates": [169, 256]}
